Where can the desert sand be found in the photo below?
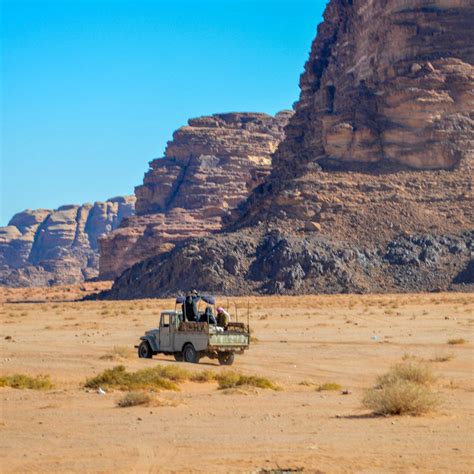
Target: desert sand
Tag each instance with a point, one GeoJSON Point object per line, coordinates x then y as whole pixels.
{"type": "Point", "coordinates": [301, 342]}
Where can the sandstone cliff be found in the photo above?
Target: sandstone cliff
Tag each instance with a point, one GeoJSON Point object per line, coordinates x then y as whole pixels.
{"type": "Point", "coordinates": [371, 190]}
{"type": "Point", "coordinates": [43, 247]}
{"type": "Point", "coordinates": [209, 168]}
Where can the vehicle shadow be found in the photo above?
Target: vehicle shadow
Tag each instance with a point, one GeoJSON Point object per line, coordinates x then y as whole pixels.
{"type": "Point", "coordinates": [172, 361]}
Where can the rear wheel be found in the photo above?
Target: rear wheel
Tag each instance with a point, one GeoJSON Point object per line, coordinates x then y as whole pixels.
{"type": "Point", "coordinates": [190, 354]}
{"type": "Point", "coordinates": [226, 358]}
{"type": "Point", "coordinates": [144, 350]}
{"type": "Point", "coordinates": [178, 356]}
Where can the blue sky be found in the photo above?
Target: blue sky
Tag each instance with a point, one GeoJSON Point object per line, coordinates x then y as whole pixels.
{"type": "Point", "coordinates": [91, 91]}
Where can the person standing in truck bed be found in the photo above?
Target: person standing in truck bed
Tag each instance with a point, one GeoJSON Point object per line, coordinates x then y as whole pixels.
{"type": "Point", "coordinates": [190, 309]}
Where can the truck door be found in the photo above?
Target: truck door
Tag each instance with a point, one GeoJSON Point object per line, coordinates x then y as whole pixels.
{"type": "Point", "coordinates": [165, 333]}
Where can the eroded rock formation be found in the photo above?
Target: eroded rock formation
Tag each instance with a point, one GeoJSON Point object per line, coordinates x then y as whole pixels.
{"type": "Point", "coordinates": [209, 168]}
{"type": "Point", "coordinates": [386, 81]}
{"type": "Point", "coordinates": [372, 188]}
{"type": "Point", "coordinates": [43, 247]}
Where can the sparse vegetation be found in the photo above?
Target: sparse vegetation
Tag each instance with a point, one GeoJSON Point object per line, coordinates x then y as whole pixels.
{"type": "Point", "coordinates": [132, 399]}
{"type": "Point", "coordinates": [118, 377]}
{"type": "Point", "coordinates": [412, 357]}
{"type": "Point", "coordinates": [457, 341]}
{"type": "Point", "coordinates": [156, 378]}
{"type": "Point", "coordinates": [22, 381]}
{"type": "Point", "coordinates": [416, 372]}
{"type": "Point", "coordinates": [119, 353]}
{"type": "Point", "coordinates": [404, 390]}
{"type": "Point", "coordinates": [231, 379]}
{"type": "Point", "coordinates": [328, 387]}
{"type": "Point", "coordinates": [203, 376]}
{"type": "Point", "coordinates": [442, 357]}
{"type": "Point", "coordinates": [401, 397]}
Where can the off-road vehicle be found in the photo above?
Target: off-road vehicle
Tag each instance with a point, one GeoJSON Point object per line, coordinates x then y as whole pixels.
{"type": "Point", "coordinates": [189, 341]}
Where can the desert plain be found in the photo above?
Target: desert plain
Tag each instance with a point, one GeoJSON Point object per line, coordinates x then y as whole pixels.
{"type": "Point", "coordinates": [299, 343]}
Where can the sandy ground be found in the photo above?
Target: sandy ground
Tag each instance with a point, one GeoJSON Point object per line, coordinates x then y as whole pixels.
{"type": "Point", "coordinates": [312, 339]}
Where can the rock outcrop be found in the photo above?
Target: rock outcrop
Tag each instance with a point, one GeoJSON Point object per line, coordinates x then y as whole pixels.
{"type": "Point", "coordinates": [387, 81]}
{"type": "Point", "coordinates": [43, 247]}
{"type": "Point", "coordinates": [209, 168]}
{"type": "Point", "coordinates": [372, 188]}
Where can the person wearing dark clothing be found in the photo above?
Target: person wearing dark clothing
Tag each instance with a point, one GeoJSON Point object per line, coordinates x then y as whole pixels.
{"type": "Point", "coordinates": [190, 309]}
{"type": "Point", "coordinates": [207, 316]}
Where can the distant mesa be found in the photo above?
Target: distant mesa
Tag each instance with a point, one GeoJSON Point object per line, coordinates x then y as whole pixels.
{"type": "Point", "coordinates": [45, 247]}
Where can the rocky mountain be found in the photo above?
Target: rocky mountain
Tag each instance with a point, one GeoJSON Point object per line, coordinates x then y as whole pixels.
{"type": "Point", "coordinates": [47, 247]}
{"type": "Point", "coordinates": [371, 190]}
{"type": "Point", "coordinates": [209, 168]}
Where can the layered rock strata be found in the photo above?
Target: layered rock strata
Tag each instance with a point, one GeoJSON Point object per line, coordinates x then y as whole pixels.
{"type": "Point", "coordinates": [372, 188]}
{"type": "Point", "coordinates": [48, 247]}
{"type": "Point", "coordinates": [386, 82]}
{"type": "Point", "coordinates": [208, 170]}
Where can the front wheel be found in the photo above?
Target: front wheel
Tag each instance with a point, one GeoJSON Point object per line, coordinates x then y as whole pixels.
{"type": "Point", "coordinates": [226, 358]}
{"type": "Point", "coordinates": [190, 354]}
{"type": "Point", "coordinates": [144, 350]}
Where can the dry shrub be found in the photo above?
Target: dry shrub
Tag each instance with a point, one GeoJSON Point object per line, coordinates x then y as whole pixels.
{"type": "Point", "coordinates": [156, 378]}
{"type": "Point", "coordinates": [22, 381]}
{"type": "Point", "coordinates": [456, 341]}
{"type": "Point", "coordinates": [442, 357]}
{"type": "Point", "coordinates": [403, 390]}
{"type": "Point", "coordinates": [328, 387]}
{"type": "Point", "coordinates": [203, 376]}
{"type": "Point", "coordinates": [118, 377]}
{"type": "Point", "coordinates": [400, 397]}
{"type": "Point", "coordinates": [119, 353]}
{"type": "Point", "coordinates": [132, 399]}
{"type": "Point", "coordinates": [231, 379]}
{"type": "Point", "coordinates": [415, 372]}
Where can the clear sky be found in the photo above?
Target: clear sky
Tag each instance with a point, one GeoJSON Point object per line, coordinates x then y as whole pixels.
{"type": "Point", "coordinates": [91, 90]}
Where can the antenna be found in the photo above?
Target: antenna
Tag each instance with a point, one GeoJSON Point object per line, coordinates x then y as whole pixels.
{"type": "Point", "coordinates": [248, 315]}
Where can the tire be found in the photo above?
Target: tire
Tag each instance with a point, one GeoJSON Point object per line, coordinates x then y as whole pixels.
{"type": "Point", "coordinates": [144, 350]}
{"type": "Point", "coordinates": [226, 358]}
{"type": "Point", "coordinates": [178, 356]}
{"type": "Point", "coordinates": [190, 354]}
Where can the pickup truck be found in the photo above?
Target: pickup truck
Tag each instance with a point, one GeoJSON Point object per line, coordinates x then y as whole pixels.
{"type": "Point", "coordinates": [189, 341]}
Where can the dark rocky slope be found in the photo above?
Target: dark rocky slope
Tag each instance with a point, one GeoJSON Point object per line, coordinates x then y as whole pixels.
{"type": "Point", "coordinates": [274, 262]}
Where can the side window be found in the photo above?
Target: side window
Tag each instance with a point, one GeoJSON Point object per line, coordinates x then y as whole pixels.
{"type": "Point", "coordinates": [165, 320]}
